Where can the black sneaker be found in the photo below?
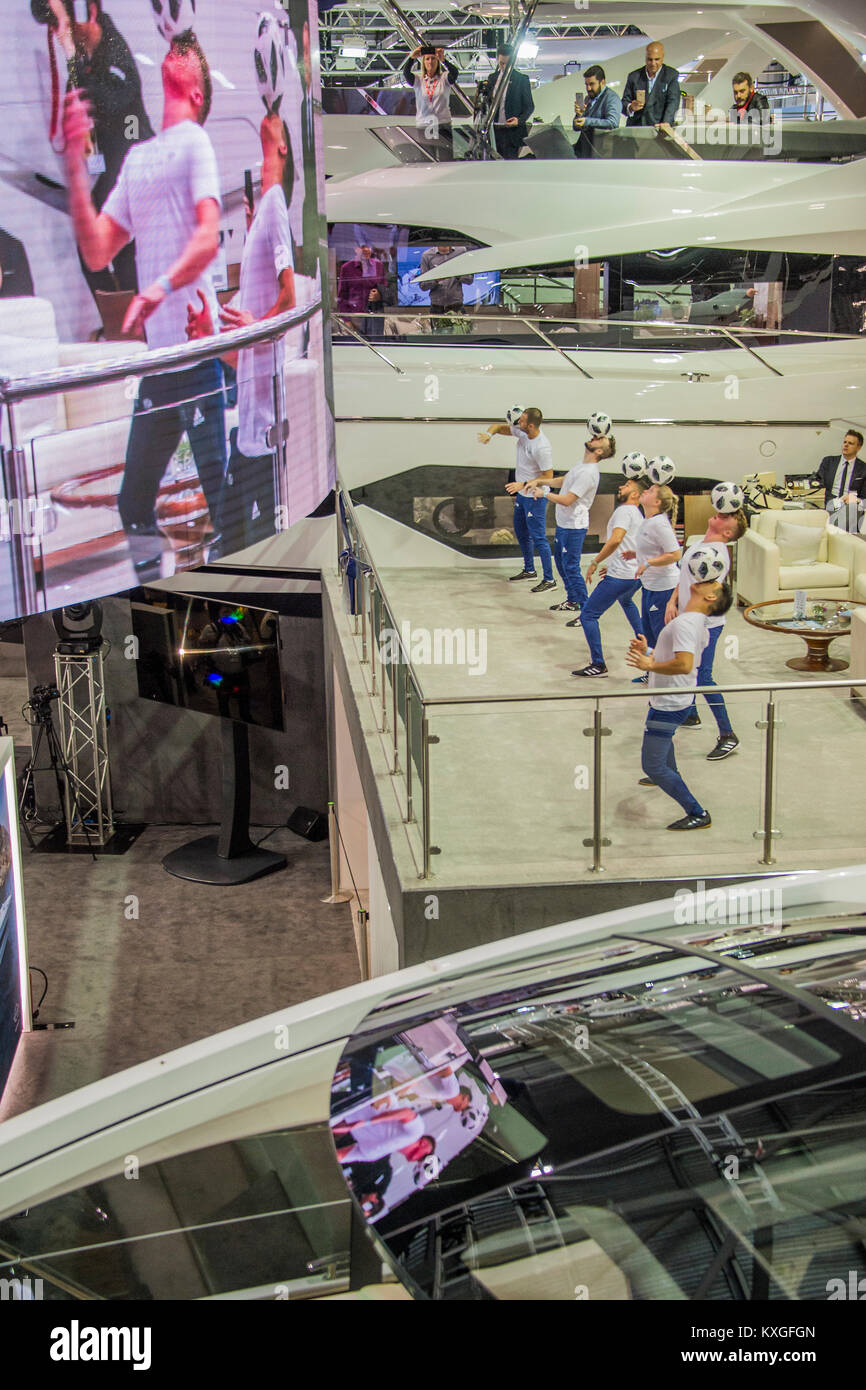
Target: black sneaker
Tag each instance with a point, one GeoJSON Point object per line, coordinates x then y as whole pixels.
{"type": "Point", "coordinates": [566, 607]}
{"type": "Point", "coordinates": [692, 721]}
{"type": "Point", "coordinates": [701, 822]}
{"type": "Point", "coordinates": [573, 622]}
{"type": "Point", "coordinates": [724, 748]}
{"type": "Point", "coordinates": [524, 574]}
{"type": "Point", "coordinates": [646, 782]}
{"type": "Point", "coordinates": [592, 670]}
{"type": "Point", "coordinates": [543, 587]}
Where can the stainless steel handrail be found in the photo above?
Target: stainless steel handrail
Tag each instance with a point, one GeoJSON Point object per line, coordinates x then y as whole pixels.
{"type": "Point", "coordinates": [544, 338]}
{"type": "Point", "coordinates": [13, 389]}
{"type": "Point", "coordinates": [645, 693]}
{"type": "Point", "coordinates": [710, 330]}
{"type": "Point", "coordinates": [359, 337]}
{"type": "Point", "coordinates": [350, 509]}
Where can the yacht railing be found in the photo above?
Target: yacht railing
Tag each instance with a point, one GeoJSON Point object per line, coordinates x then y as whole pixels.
{"type": "Point", "coordinates": [470, 324]}
{"type": "Point", "coordinates": [374, 620]}
{"type": "Point", "coordinates": [28, 575]}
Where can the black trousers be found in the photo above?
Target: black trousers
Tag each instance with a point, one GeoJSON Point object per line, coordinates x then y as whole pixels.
{"type": "Point", "coordinates": [168, 406]}
{"type": "Point", "coordinates": [508, 140]}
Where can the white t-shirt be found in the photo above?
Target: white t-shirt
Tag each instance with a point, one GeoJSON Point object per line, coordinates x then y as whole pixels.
{"type": "Point", "coordinates": [386, 1136]}
{"type": "Point", "coordinates": [686, 633]}
{"type": "Point", "coordinates": [656, 537]}
{"type": "Point", "coordinates": [267, 253]}
{"type": "Point", "coordinates": [438, 1088]}
{"type": "Point", "coordinates": [626, 517]}
{"type": "Point", "coordinates": [160, 184]}
{"type": "Point", "coordinates": [686, 581]}
{"type": "Point", "coordinates": [582, 480]}
{"type": "Point", "coordinates": [534, 456]}
{"type": "Point", "coordinates": [432, 99]}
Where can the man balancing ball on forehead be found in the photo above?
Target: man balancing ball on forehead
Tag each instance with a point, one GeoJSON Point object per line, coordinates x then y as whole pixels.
{"type": "Point", "coordinates": [673, 669]}
{"type": "Point", "coordinates": [534, 464]}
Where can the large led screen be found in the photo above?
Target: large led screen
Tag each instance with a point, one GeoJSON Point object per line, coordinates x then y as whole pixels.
{"type": "Point", "coordinates": [162, 182]}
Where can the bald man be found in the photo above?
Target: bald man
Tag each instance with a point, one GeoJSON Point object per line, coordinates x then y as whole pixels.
{"type": "Point", "coordinates": [652, 93]}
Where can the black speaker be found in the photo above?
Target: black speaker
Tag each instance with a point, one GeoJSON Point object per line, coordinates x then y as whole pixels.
{"type": "Point", "coordinates": [311, 824]}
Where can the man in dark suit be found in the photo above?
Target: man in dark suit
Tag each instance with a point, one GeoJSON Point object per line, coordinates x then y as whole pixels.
{"type": "Point", "coordinates": [511, 119]}
{"type": "Point", "coordinates": [652, 93]}
{"type": "Point", "coordinates": [843, 478]}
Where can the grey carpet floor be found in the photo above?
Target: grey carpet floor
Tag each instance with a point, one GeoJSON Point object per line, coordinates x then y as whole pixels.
{"type": "Point", "coordinates": [144, 962]}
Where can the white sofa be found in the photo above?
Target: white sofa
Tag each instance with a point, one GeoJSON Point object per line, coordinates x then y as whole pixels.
{"type": "Point", "coordinates": [762, 576]}
{"type": "Point", "coordinates": [65, 435]}
{"type": "Point", "coordinates": [857, 667]}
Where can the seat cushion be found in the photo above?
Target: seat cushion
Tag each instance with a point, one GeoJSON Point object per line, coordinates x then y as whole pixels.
{"type": "Point", "coordinates": [811, 577]}
{"type": "Point", "coordinates": [859, 589]}
{"type": "Point", "coordinates": [799, 545]}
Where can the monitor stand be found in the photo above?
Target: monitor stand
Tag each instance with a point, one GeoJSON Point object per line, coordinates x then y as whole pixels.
{"type": "Point", "coordinates": [230, 857]}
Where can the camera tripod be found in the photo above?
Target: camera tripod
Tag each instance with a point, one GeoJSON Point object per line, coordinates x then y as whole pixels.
{"type": "Point", "coordinates": [40, 706]}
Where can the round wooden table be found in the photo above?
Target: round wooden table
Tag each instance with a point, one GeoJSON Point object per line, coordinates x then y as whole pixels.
{"type": "Point", "coordinates": [817, 631]}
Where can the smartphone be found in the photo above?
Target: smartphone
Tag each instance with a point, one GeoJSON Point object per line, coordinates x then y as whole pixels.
{"type": "Point", "coordinates": [248, 187]}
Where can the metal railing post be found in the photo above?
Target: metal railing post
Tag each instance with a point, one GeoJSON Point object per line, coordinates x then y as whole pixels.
{"type": "Point", "coordinates": [396, 729]}
{"type": "Point", "coordinates": [596, 841]}
{"type": "Point", "coordinates": [427, 849]}
{"type": "Point", "coordinates": [768, 833]}
{"type": "Point", "coordinates": [362, 608]}
{"type": "Point", "coordinates": [407, 716]}
{"type": "Point", "coordinates": [335, 895]}
{"type": "Point", "coordinates": [374, 635]}
{"type": "Point", "coordinates": [16, 494]}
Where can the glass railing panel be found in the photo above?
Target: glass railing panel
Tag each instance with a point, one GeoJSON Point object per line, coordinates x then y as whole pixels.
{"type": "Point", "coordinates": [508, 802]}
{"type": "Point", "coordinates": [513, 790]}
{"type": "Point", "coordinates": [820, 754]}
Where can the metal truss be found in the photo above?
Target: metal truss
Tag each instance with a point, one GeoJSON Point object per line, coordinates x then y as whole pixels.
{"type": "Point", "coordinates": [467, 37]}
{"type": "Point", "coordinates": [84, 747]}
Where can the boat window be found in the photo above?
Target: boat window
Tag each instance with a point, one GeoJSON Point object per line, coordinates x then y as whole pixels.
{"type": "Point", "coordinates": [632, 1122]}
{"type": "Point", "coordinates": [263, 1217]}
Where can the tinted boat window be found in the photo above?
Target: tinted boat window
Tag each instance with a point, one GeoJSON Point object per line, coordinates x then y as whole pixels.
{"type": "Point", "coordinates": [491, 1144]}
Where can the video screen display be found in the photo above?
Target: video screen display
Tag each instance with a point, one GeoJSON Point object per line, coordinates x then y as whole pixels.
{"type": "Point", "coordinates": [483, 289]}
{"type": "Point", "coordinates": [206, 655]}
{"type": "Point", "coordinates": [162, 179]}
{"type": "Point", "coordinates": [374, 268]}
{"type": "Point", "coordinates": [14, 987]}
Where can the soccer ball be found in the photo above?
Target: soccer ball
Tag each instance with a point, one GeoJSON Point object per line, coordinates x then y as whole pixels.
{"type": "Point", "coordinates": [727, 498]}
{"type": "Point", "coordinates": [514, 414]}
{"type": "Point", "coordinates": [272, 59]}
{"type": "Point", "coordinates": [634, 465]}
{"type": "Point", "coordinates": [661, 469]}
{"type": "Point", "coordinates": [707, 562]}
{"type": "Point", "coordinates": [599, 423]}
{"type": "Point", "coordinates": [173, 16]}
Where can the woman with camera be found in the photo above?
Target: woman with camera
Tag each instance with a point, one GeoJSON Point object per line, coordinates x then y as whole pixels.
{"type": "Point", "coordinates": [432, 79]}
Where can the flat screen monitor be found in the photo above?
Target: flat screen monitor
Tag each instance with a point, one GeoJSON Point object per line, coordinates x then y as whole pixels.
{"type": "Point", "coordinates": [209, 654]}
{"type": "Point", "coordinates": [484, 288]}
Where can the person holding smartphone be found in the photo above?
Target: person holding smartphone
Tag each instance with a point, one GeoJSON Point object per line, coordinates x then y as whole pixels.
{"type": "Point", "coordinates": [652, 93]}
{"type": "Point", "coordinates": [432, 77]}
{"type": "Point", "coordinates": [600, 111]}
